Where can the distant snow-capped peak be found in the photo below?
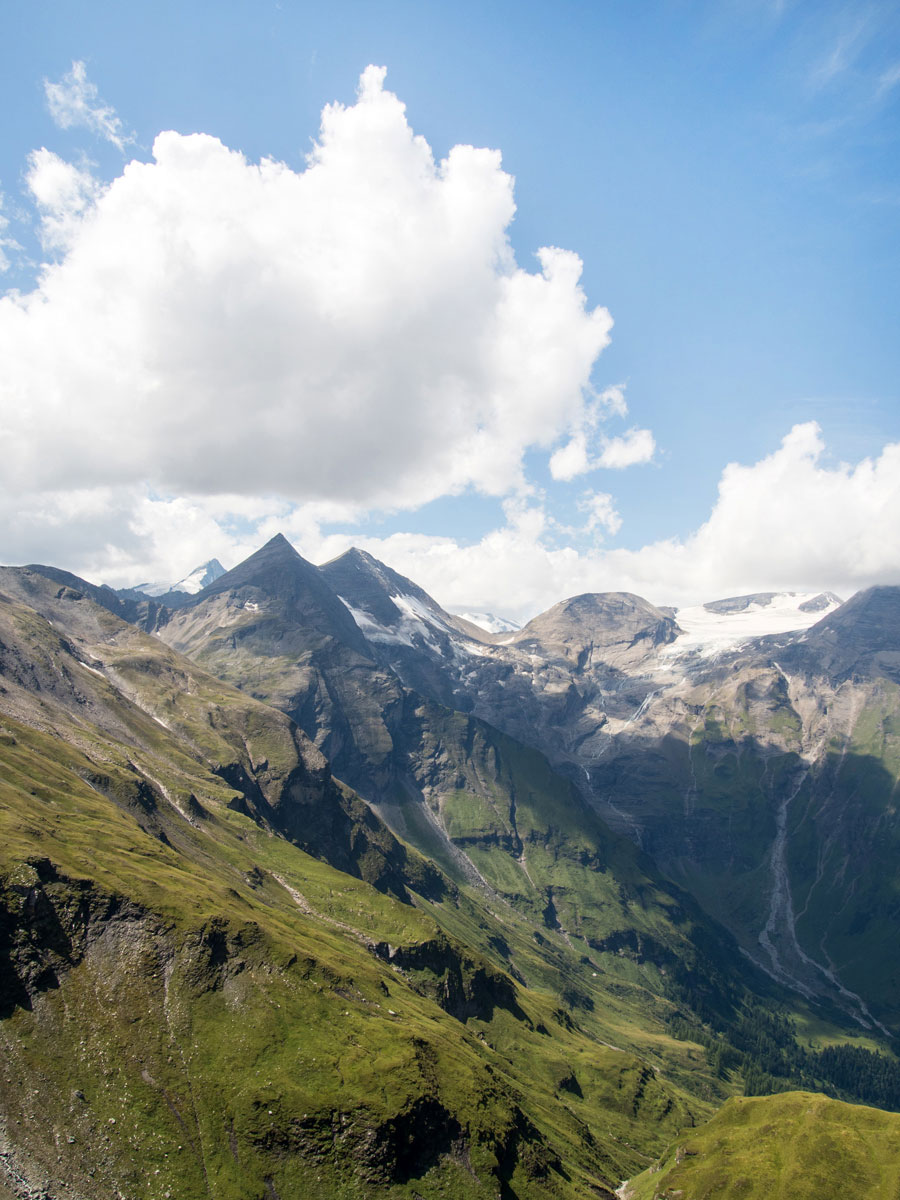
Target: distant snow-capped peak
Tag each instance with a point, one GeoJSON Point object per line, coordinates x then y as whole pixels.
{"type": "Point", "coordinates": [198, 579]}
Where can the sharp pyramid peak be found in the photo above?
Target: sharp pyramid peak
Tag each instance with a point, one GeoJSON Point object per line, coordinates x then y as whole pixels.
{"type": "Point", "coordinates": [278, 542]}
{"type": "Point", "coordinates": [291, 590]}
{"type": "Point", "coordinates": [277, 549]}
{"type": "Point", "coordinates": [272, 565]}
{"type": "Point", "coordinates": [360, 561]}
{"type": "Point", "coordinates": [357, 557]}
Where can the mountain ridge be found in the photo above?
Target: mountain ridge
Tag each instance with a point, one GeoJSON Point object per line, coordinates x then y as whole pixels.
{"type": "Point", "coordinates": [74, 912]}
{"type": "Point", "coordinates": [615, 1011]}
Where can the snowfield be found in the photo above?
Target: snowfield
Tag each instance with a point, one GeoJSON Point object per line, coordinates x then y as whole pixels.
{"type": "Point", "coordinates": [711, 632]}
{"type": "Point", "coordinates": [489, 623]}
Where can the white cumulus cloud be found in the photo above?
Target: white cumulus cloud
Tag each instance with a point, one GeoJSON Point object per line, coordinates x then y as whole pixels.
{"type": "Point", "coordinates": [793, 518]}
{"type": "Point", "coordinates": [600, 512]}
{"type": "Point", "coordinates": [588, 449]}
{"type": "Point", "coordinates": [357, 332]}
{"type": "Point", "coordinates": [7, 243]}
{"type": "Point", "coordinates": [577, 456]}
{"type": "Point", "coordinates": [636, 446]}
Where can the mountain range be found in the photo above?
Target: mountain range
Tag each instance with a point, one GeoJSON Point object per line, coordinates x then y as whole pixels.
{"type": "Point", "coordinates": [309, 887]}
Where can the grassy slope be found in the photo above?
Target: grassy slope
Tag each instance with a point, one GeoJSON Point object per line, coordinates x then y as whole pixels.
{"type": "Point", "coordinates": [796, 1146]}
{"type": "Point", "coordinates": [543, 850]}
{"type": "Point", "coordinates": [213, 1003]}
{"type": "Point", "coordinates": [209, 1006]}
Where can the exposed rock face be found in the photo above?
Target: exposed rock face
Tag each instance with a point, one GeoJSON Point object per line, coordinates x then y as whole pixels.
{"type": "Point", "coordinates": [388, 599]}
{"type": "Point", "coordinates": [408, 630]}
{"type": "Point", "coordinates": [136, 608]}
{"type": "Point", "coordinates": [612, 629]}
{"type": "Point", "coordinates": [861, 638]}
{"type": "Point", "coordinates": [462, 987]}
{"type": "Point", "coordinates": [48, 924]}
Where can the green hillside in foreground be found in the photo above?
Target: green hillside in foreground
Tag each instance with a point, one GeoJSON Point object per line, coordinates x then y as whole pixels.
{"type": "Point", "coordinates": [796, 1146]}
{"type": "Point", "coordinates": [246, 1021]}
{"type": "Point", "coordinates": [192, 1005]}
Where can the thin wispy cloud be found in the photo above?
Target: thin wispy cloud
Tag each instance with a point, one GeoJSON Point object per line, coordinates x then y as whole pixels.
{"type": "Point", "coordinates": [889, 79]}
{"type": "Point", "coordinates": [75, 101]}
{"type": "Point", "coordinates": [842, 55]}
{"type": "Point", "coordinates": [857, 55]}
{"type": "Point", "coordinates": [847, 67]}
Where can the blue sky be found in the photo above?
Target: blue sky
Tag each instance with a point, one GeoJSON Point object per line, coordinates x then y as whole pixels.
{"type": "Point", "coordinates": [729, 176]}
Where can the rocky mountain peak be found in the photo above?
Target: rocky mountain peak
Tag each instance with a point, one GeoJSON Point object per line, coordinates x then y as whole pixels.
{"type": "Point", "coordinates": [354, 555]}
{"type": "Point", "coordinates": [861, 639]}
{"type": "Point", "coordinates": [362, 583]}
{"type": "Point", "coordinates": [277, 581]}
{"type": "Point", "coordinates": [595, 620]}
{"type": "Point", "coordinates": [869, 623]}
{"type": "Point", "coordinates": [373, 589]}
{"type": "Point", "coordinates": [870, 618]}
{"type": "Point", "coordinates": [821, 602]}
{"type": "Point", "coordinates": [273, 564]}
{"type": "Point", "coordinates": [200, 577]}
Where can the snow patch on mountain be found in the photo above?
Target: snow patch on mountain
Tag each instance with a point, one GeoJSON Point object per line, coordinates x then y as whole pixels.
{"type": "Point", "coordinates": [489, 622]}
{"type": "Point", "coordinates": [416, 611]}
{"type": "Point", "coordinates": [151, 589]}
{"type": "Point", "coordinates": [416, 623]}
{"type": "Point", "coordinates": [374, 630]}
{"type": "Point", "coordinates": [724, 625]}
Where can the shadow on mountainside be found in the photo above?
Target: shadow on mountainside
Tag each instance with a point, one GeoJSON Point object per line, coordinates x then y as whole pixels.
{"type": "Point", "coordinates": [798, 860]}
